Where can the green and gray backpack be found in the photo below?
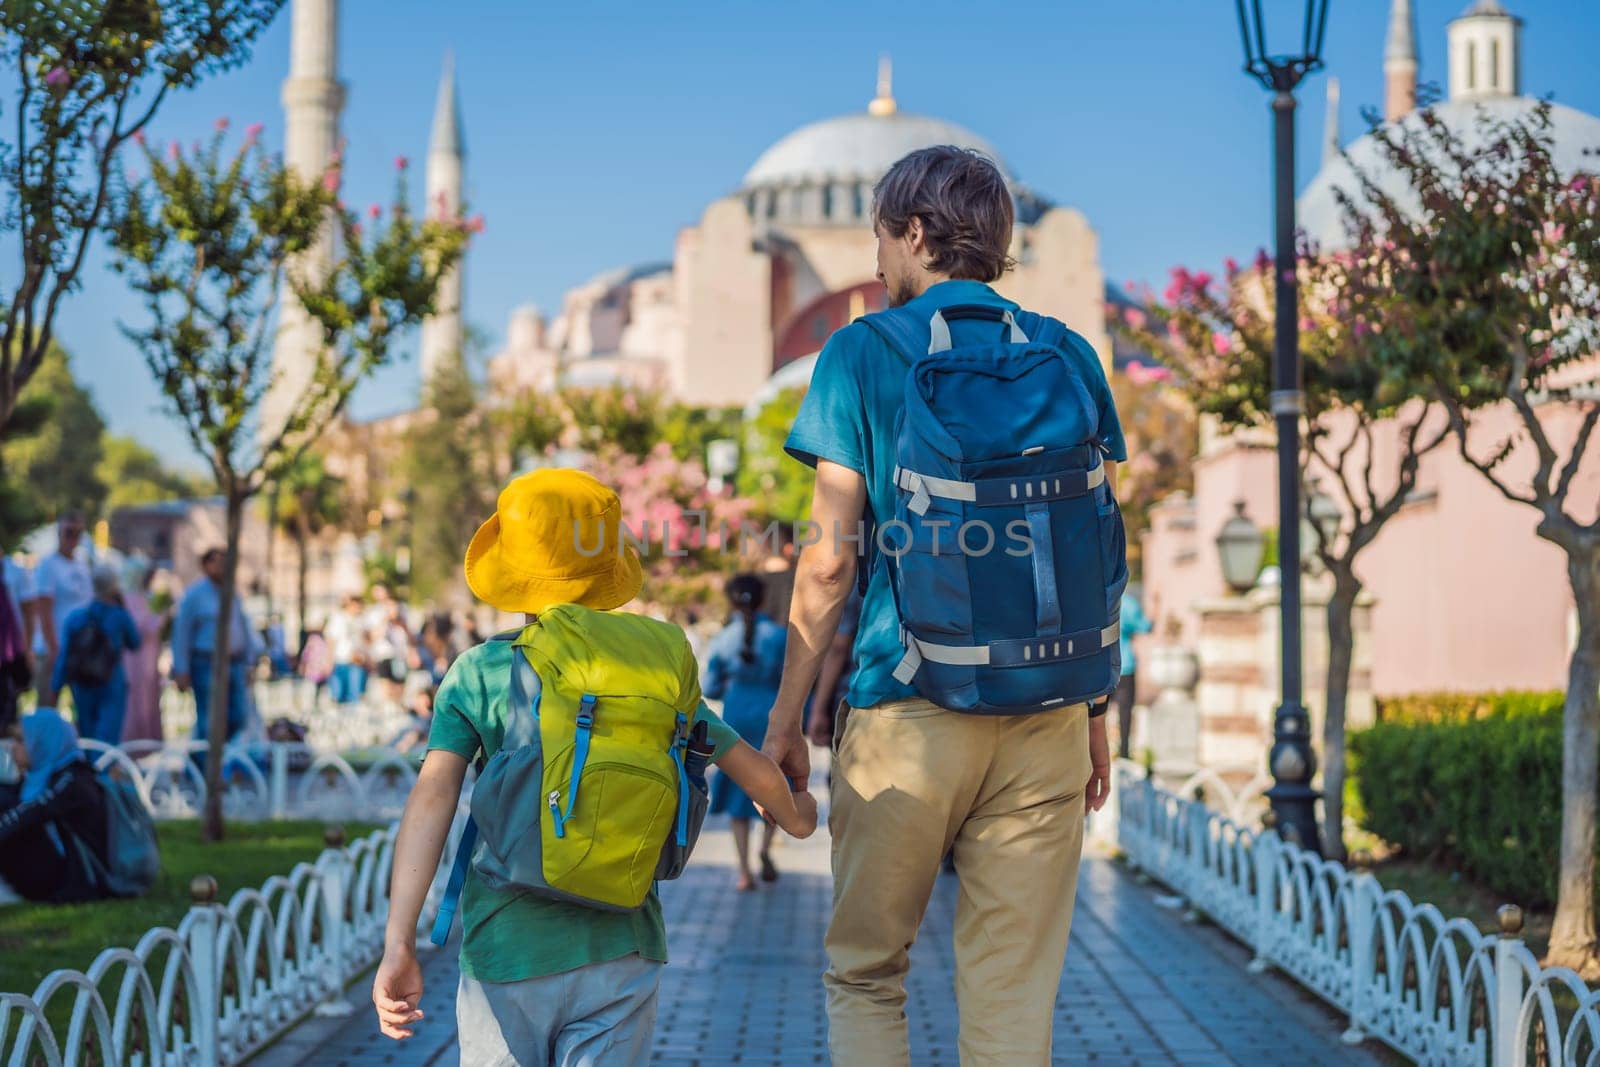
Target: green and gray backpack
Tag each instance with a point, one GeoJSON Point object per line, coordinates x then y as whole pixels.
{"type": "Point", "coordinates": [590, 798]}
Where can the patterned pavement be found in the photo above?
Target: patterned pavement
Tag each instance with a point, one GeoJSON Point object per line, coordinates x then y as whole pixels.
{"type": "Point", "coordinates": [1141, 986]}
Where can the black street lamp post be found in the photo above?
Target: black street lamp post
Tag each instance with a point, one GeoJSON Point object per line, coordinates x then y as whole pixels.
{"type": "Point", "coordinates": [1291, 760]}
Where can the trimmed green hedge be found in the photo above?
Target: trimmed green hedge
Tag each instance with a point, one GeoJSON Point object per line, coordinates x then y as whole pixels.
{"type": "Point", "coordinates": [1465, 707]}
{"type": "Point", "coordinates": [1471, 779]}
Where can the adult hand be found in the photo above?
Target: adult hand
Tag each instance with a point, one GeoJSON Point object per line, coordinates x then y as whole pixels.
{"type": "Point", "coordinates": [396, 989]}
{"type": "Point", "coordinates": [787, 747]}
{"type": "Point", "coordinates": [819, 730]}
{"type": "Point", "coordinates": [1098, 789]}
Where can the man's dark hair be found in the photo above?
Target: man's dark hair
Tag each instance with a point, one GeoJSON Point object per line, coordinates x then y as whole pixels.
{"type": "Point", "coordinates": [211, 554]}
{"type": "Point", "coordinates": [965, 208]}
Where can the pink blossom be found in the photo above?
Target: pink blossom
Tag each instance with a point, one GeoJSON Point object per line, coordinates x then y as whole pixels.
{"type": "Point", "coordinates": [401, 163]}
{"type": "Point", "coordinates": [1263, 261]}
{"type": "Point", "coordinates": [355, 229]}
{"type": "Point", "coordinates": [1178, 286]}
{"type": "Point", "coordinates": [57, 78]}
{"type": "Point", "coordinates": [173, 151]}
{"type": "Point", "coordinates": [221, 124]}
{"type": "Point", "coordinates": [1133, 317]}
{"type": "Point", "coordinates": [1231, 265]}
{"type": "Point", "coordinates": [1579, 184]}
{"type": "Point", "coordinates": [252, 132]}
{"type": "Point", "coordinates": [1361, 328]}
{"type": "Point", "coordinates": [138, 138]}
{"type": "Point", "coordinates": [475, 224]}
{"type": "Point", "coordinates": [374, 212]}
{"type": "Point", "coordinates": [1201, 281]}
{"type": "Point", "coordinates": [1221, 343]}
{"type": "Point", "coordinates": [1306, 324]}
{"type": "Point", "coordinates": [1131, 287]}
{"type": "Point", "coordinates": [330, 179]}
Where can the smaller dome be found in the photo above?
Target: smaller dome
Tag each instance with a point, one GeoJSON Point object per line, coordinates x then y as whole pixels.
{"type": "Point", "coordinates": [1575, 135]}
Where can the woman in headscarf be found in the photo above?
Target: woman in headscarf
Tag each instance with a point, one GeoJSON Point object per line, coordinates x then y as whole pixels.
{"type": "Point", "coordinates": [743, 668]}
{"type": "Point", "coordinates": [61, 799]}
{"type": "Point", "coordinates": [143, 721]}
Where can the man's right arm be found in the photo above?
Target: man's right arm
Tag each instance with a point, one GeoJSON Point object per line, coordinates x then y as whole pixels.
{"type": "Point", "coordinates": [822, 582]}
{"type": "Point", "coordinates": [183, 640]}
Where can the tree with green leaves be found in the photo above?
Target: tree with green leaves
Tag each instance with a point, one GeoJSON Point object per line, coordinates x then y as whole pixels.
{"type": "Point", "coordinates": [210, 240]}
{"type": "Point", "coordinates": [1218, 337]}
{"type": "Point", "coordinates": [89, 76]}
{"type": "Point", "coordinates": [446, 470]}
{"type": "Point", "coordinates": [778, 487]}
{"type": "Point", "coordinates": [1492, 253]}
{"type": "Point", "coordinates": [57, 465]}
{"type": "Point", "coordinates": [134, 475]}
{"type": "Point", "coordinates": [1159, 426]}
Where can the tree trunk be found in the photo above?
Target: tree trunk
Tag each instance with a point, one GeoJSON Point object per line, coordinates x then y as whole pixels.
{"type": "Point", "coordinates": [1341, 648]}
{"type": "Point", "coordinates": [221, 653]}
{"type": "Point", "coordinates": [1572, 938]}
{"type": "Point", "coordinates": [302, 565]}
{"type": "Point", "coordinates": [272, 544]}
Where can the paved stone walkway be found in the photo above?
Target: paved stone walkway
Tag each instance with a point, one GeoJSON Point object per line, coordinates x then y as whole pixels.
{"type": "Point", "coordinates": [1141, 986]}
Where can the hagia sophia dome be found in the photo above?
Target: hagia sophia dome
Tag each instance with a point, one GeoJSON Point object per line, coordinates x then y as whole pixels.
{"type": "Point", "coordinates": [823, 172]}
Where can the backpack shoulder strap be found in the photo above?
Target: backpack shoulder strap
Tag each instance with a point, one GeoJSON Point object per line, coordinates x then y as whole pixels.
{"type": "Point", "coordinates": [904, 330]}
{"type": "Point", "coordinates": [458, 878]}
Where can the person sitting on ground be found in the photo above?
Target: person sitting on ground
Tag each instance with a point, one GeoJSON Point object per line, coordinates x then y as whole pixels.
{"type": "Point", "coordinates": [543, 980]}
{"type": "Point", "coordinates": [60, 799]}
{"type": "Point", "coordinates": [416, 731]}
{"type": "Point", "coordinates": [742, 670]}
{"type": "Point", "coordinates": [93, 640]}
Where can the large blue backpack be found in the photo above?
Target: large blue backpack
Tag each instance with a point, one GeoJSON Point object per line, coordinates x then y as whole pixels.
{"type": "Point", "coordinates": [1006, 553]}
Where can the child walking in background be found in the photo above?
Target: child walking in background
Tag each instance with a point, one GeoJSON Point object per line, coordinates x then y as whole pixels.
{"type": "Point", "coordinates": [547, 979]}
{"type": "Point", "coordinates": [742, 669]}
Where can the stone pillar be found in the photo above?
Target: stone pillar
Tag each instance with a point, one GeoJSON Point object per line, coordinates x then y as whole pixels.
{"type": "Point", "coordinates": [1238, 683]}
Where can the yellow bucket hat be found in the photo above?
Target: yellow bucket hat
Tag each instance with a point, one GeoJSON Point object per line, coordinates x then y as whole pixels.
{"type": "Point", "coordinates": [555, 538]}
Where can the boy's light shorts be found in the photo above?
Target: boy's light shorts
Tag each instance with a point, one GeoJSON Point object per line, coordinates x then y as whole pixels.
{"type": "Point", "coordinates": [595, 1016]}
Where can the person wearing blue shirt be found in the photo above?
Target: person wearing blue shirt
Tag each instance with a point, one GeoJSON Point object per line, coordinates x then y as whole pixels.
{"type": "Point", "coordinates": [742, 670]}
{"type": "Point", "coordinates": [194, 641]}
{"type": "Point", "coordinates": [910, 778]}
{"type": "Point", "coordinates": [1134, 623]}
{"type": "Point", "coordinates": [100, 705]}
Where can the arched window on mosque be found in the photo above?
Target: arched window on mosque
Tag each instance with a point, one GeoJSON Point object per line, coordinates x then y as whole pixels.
{"type": "Point", "coordinates": [827, 202]}
{"type": "Point", "coordinates": [1472, 64]}
{"type": "Point", "coordinates": [1494, 64]}
{"type": "Point", "coordinates": [858, 207]}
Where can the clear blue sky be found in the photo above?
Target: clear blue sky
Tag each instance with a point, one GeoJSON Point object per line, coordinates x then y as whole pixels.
{"type": "Point", "coordinates": [595, 132]}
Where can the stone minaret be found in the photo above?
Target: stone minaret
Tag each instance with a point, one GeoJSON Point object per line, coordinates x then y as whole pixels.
{"type": "Point", "coordinates": [1400, 62]}
{"type": "Point", "coordinates": [1484, 53]}
{"type": "Point", "coordinates": [442, 333]}
{"type": "Point", "coordinates": [1330, 129]}
{"type": "Point", "coordinates": [313, 98]}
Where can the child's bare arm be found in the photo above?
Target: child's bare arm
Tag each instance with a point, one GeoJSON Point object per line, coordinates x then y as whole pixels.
{"type": "Point", "coordinates": [764, 782]}
{"type": "Point", "coordinates": [417, 848]}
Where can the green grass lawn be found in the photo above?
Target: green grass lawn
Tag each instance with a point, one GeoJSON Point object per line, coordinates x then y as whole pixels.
{"type": "Point", "coordinates": [36, 939]}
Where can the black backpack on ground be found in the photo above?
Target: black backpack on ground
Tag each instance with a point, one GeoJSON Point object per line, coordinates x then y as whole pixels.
{"type": "Point", "coordinates": [92, 654]}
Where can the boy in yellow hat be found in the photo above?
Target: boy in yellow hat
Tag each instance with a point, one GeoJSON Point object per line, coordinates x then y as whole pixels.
{"type": "Point", "coordinates": [543, 981]}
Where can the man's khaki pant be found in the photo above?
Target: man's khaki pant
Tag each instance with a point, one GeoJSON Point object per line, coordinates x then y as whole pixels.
{"type": "Point", "coordinates": [910, 780]}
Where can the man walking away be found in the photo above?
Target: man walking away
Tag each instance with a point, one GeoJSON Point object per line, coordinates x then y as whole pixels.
{"type": "Point", "coordinates": [194, 643]}
{"type": "Point", "coordinates": [912, 777]}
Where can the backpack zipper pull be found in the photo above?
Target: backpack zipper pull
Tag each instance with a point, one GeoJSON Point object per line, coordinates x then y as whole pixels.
{"type": "Point", "coordinates": [555, 812]}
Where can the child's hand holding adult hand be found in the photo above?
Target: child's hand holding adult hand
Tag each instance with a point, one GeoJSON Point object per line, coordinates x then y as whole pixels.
{"type": "Point", "coordinates": [396, 991]}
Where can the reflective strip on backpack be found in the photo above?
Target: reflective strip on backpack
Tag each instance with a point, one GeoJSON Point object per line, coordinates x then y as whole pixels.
{"type": "Point", "coordinates": [988, 492]}
{"type": "Point", "coordinates": [923, 486]}
{"type": "Point", "coordinates": [1020, 652]}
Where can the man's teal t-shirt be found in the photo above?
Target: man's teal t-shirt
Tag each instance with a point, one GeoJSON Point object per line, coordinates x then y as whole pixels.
{"type": "Point", "coordinates": [848, 417]}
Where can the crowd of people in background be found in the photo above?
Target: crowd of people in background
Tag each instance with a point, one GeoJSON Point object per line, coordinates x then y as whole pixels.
{"type": "Point", "coordinates": [100, 641]}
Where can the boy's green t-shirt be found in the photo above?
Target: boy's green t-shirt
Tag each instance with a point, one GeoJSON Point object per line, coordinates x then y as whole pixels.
{"type": "Point", "coordinates": [510, 936]}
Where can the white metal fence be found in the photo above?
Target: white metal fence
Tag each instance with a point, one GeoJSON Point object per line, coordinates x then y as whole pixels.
{"type": "Point", "coordinates": [1433, 988]}
{"type": "Point", "coordinates": [230, 978]}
